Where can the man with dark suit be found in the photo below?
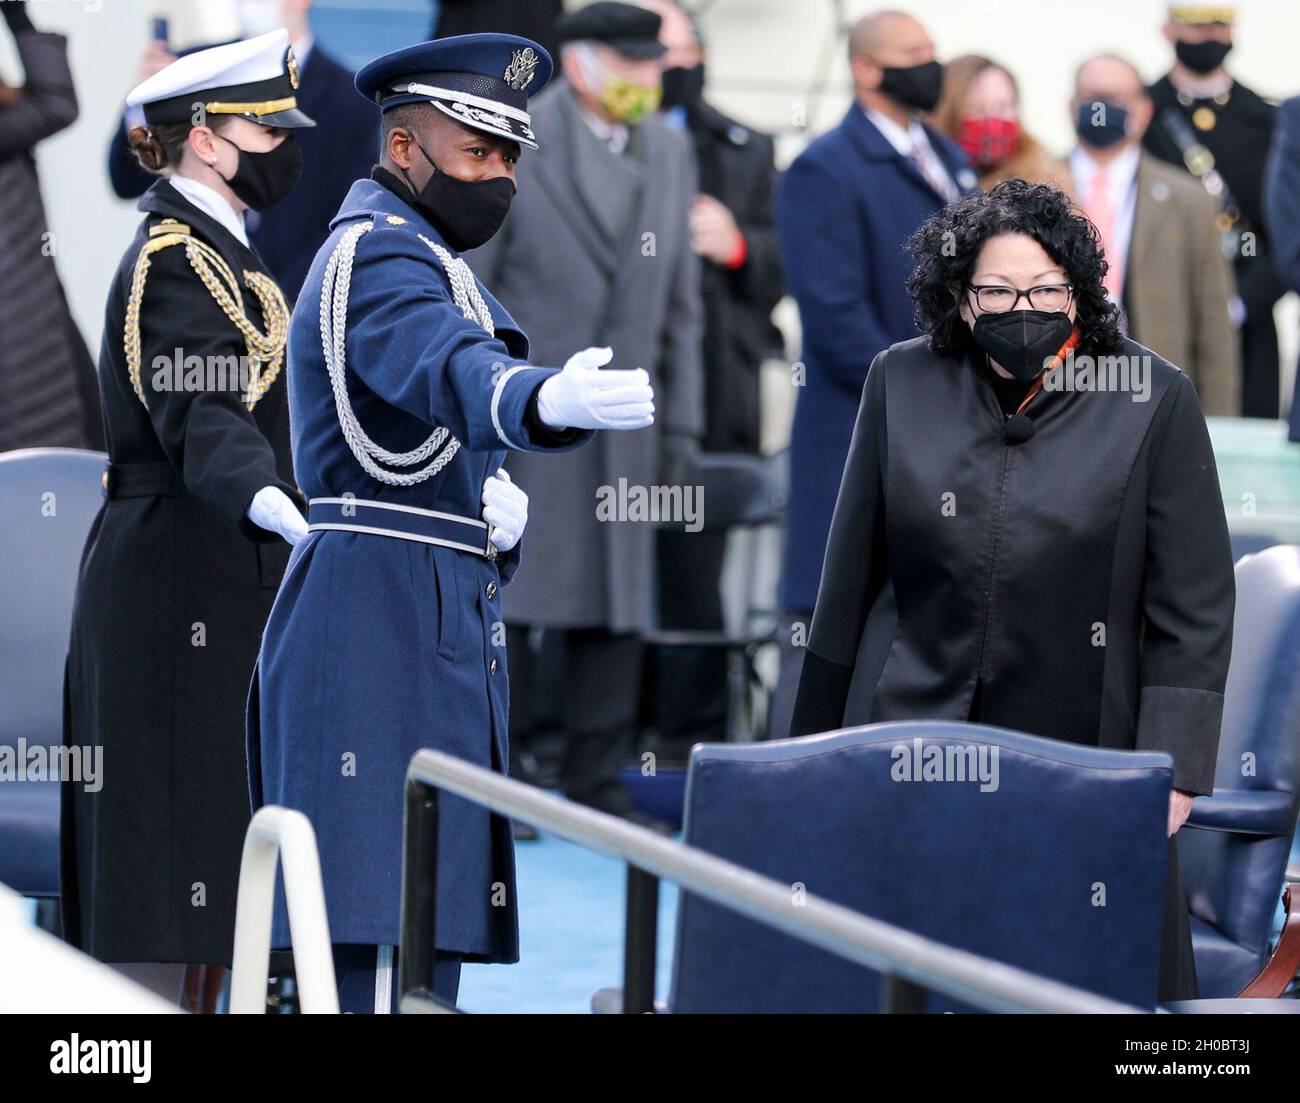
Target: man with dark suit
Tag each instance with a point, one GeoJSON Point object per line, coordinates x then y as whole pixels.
{"type": "Point", "coordinates": [1158, 229]}
{"type": "Point", "coordinates": [844, 209]}
{"type": "Point", "coordinates": [287, 236]}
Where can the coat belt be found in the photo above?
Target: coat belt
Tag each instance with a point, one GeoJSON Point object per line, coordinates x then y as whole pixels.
{"type": "Point", "coordinates": [139, 480]}
{"type": "Point", "coordinates": [424, 526]}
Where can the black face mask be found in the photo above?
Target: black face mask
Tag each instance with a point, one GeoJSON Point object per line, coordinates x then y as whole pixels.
{"type": "Point", "coordinates": [682, 86]}
{"type": "Point", "coordinates": [1100, 124]}
{"type": "Point", "coordinates": [465, 212]}
{"type": "Point", "coordinates": [262, 179]}
{"type": "Point", "coordinates": [917, 86]}
{"type": "Point", "coordinates": [1202, 57]}
{"type": "Point", "coordinates": [1020, 340]}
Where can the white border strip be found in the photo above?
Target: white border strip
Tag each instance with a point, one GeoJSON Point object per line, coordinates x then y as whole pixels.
{"type": "Point", "coordinates": [401, 536]}
{"type": "Point", "coordinates": [496, 402]}
{"type": "Point", "coordinates": [398, 508]}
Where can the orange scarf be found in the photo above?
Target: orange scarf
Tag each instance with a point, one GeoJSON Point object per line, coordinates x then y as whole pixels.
{"type": "Point", "coordinates": [1071, 342]}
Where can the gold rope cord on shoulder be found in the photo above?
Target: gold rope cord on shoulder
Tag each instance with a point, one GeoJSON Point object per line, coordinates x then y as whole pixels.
{"type": "Point", "coordinates": [265, 350]}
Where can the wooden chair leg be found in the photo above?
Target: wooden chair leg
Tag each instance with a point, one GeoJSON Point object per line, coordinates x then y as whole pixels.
{"type": "Point", "coordinates": [203, 984]}
{"type": "Point", "coordinates": [190, 988]}
{"type": "Point", "coordinates": [211, 983]}
{"type": "Point", "coordinates": [1271, 981]}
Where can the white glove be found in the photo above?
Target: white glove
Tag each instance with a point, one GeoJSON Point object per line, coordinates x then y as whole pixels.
{"type": "Point", "coordinates": [273, 510]}
{"type": "Point", "coordinates": [581, 396]}
{"type": "Point", "coordinates": [505, 508]}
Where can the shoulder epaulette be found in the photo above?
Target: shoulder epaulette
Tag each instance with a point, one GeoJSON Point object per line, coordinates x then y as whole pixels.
{"type": "Point", "coordinates": [265, 350]}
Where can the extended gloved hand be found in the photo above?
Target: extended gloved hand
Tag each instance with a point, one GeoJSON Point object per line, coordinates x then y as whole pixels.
{"type": "Point", "coordinates": [273, 510]}
{"type": "Point", "coordinates": [505, 508]}
{"type": "Point", "coordinates": [581, 396]}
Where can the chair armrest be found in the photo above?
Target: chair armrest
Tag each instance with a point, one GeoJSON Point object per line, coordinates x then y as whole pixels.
{"type": "Point", "coordinates": [1245, 812]}
{"type": "Point", "coordinates": [1271, 981]}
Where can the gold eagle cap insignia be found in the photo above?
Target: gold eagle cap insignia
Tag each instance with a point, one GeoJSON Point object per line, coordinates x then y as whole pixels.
{"type": "Point", "coordinates": [522, 68]}
{"type": "Point", "coordinates": [291, 65]}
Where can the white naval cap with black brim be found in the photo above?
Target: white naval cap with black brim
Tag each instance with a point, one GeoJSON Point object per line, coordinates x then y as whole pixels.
{"type": "Point", "coordinates": [483, 81]}
{"type": "Point", "coordinates": [256, 79]}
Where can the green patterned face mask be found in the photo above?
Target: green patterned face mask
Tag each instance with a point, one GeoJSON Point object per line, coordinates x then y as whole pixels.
{"type": "Point", "coordinates": [627, 101]}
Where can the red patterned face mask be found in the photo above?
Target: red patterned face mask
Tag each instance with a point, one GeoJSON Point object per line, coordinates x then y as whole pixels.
{"type": "Point", "coordinates": [988, 142]}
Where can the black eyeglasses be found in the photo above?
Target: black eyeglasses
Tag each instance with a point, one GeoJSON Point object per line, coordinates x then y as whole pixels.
{"type": "Point", "coordinates": [998, 299]}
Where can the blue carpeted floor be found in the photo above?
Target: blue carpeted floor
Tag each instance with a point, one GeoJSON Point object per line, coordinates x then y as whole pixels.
{"type": "Point", "coordinates": [570, 934]}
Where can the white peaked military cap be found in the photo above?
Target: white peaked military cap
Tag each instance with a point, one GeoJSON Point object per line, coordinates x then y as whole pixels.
{"type": "Point", "coordinates": [256, 79]}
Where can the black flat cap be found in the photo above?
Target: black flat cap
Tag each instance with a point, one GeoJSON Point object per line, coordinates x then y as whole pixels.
{"type": "Point", "coordinates": [632, 31]}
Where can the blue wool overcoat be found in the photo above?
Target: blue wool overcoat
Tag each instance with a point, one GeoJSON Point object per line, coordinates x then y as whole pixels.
{"type": "Point", "coordinates": [377, 646]}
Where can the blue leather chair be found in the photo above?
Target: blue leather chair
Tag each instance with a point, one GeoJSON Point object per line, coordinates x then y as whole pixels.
{"type": "Point", "coordinates": [48, 498]}
{"type": "Point", "coordinates": [1235, 847]}
{"type": "Point", "coordinates": [1015, 873]}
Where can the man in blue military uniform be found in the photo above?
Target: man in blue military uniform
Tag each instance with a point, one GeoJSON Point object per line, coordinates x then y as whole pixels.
{"type": "Point", "coordinates": [386, 634]}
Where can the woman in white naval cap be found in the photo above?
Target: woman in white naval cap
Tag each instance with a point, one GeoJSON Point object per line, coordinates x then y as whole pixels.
{"type": "Point", "coordinates": [200, 510]}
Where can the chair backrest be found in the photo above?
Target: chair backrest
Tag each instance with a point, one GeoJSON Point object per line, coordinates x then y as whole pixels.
{"type": "Point", "coordinates": [736, 488]}
{"type": "Point", "coordinates": [1233, 881]}
{"type": "Point", "coordinates": [1050, 856]}
{"type": "Point", "coordinates": [48, 499]}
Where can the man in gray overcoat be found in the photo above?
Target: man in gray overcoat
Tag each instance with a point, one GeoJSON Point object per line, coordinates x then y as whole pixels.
{"type": "Point", "coordinates": [597, 251]}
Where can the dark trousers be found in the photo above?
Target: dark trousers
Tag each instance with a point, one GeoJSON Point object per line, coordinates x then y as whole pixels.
{"type": "Point", "coordinates": [780, 711]}
{"type": "Point", "coordinates": [356, 966]}
{"type": "Point", "coordinates": [1177, 965]}
{"type": "Point", "coordinates": [687, 686]}
{"type": "Point", "coordinates": [600, 681]}
{"type": "Point", "coordinates": [1260, 287]}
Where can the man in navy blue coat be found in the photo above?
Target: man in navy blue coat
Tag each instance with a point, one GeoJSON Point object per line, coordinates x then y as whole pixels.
{"type": "Point", "coordinates": [844, 209]}
{"type": "Point", "coordinates": [287, 235]}
{"type": "Point", "coordinates": [408, 384]}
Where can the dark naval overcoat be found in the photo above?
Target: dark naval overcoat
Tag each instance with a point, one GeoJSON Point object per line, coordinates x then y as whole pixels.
{"type": "Point", "coordinates": [380, 645]}
{"type": "Point", "coordinates": [175, 586]}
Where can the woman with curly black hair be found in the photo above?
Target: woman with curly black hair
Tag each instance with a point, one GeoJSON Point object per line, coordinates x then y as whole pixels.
{"type": "Point", "coordinates": [1029, 532]}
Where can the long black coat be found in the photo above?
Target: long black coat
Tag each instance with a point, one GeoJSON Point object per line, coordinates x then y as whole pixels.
{"type": "Point", "coordinates": [176, 585]}
{"type": "Point", "coordinates": [1077, 586]}
{"type": "Point", "coordinates": [736, 167]}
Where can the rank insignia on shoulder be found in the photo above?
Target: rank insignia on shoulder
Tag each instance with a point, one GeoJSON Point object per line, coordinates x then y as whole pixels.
{"type": "Point", "coordinates": [168, 226]}
{"type": "Point", "coordinates": [395, 220]}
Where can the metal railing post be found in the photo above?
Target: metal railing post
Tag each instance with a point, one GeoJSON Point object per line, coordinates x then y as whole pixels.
{"type": "Point", "coordinates": [899, 996]}
{"type": "Point", "coordinates": [285, 836]}
{"type": "Point", "coordinates": [641, 927]}
{"type": "Point", "coordinates": [419, 891]}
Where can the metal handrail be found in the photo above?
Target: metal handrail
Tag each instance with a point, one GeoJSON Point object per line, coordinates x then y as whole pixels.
{"type": "Point", "coordinates": [893, 951]}
{"type": "Point", "coordinates": [277, 834]}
